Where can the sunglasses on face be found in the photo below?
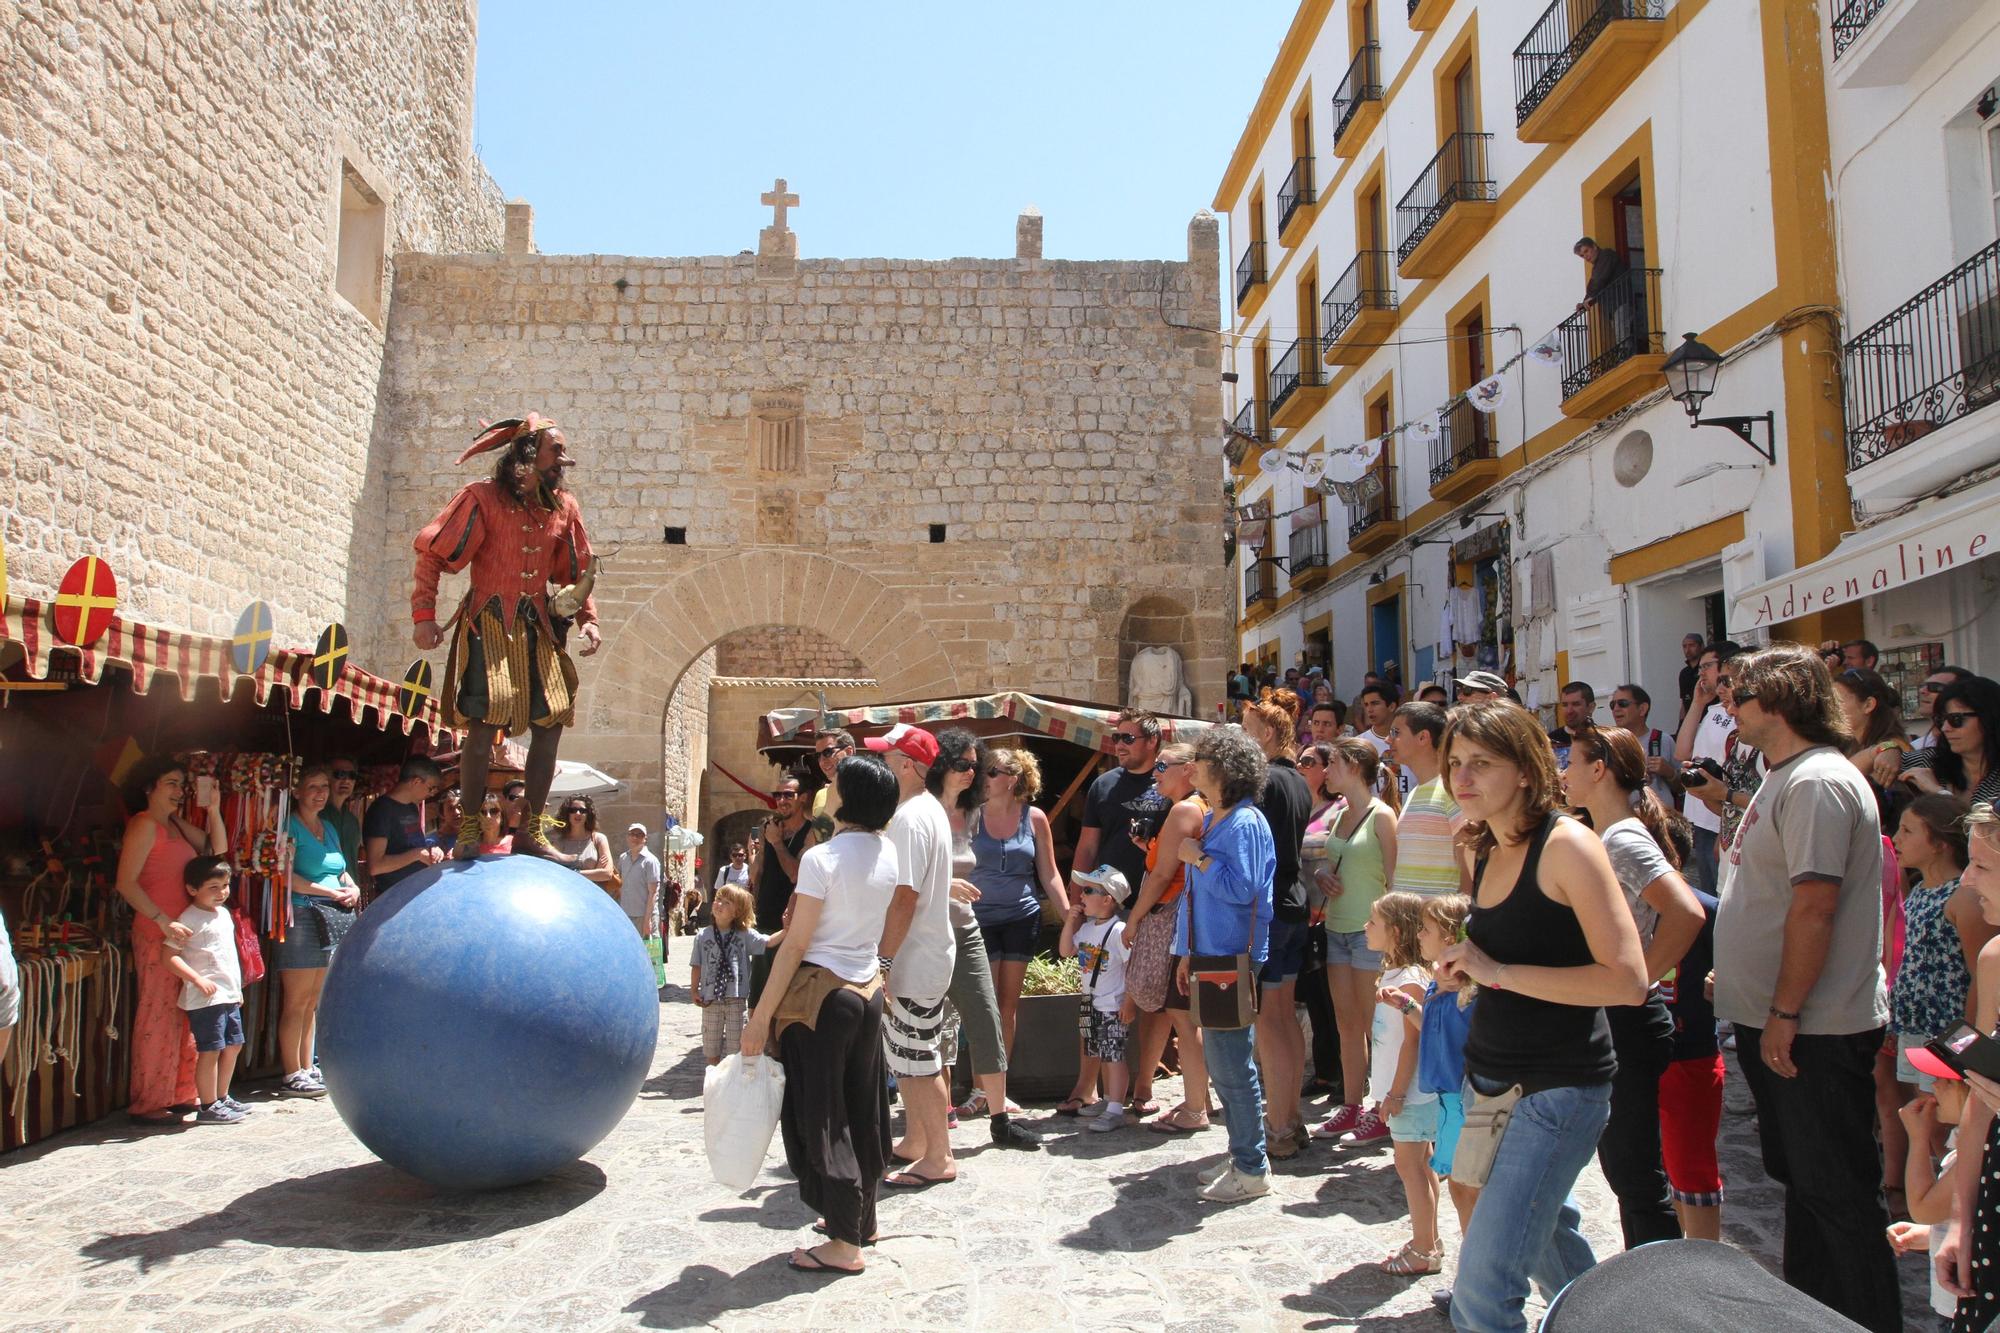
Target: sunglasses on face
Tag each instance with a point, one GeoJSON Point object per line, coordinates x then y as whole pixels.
{"type": "Point", "coordinates": [490, 812]}
{"type": "Point", "coordinates": [784, 796]}
{"type": "Point", "coordinates": [575, 812]}
{"type": "Point", "coordinates": [1956, 719]}
{"type": "Point", "coordinates": [1309, 761]}
{"type": "Point", "coordinates": [1124, 738]}
{"type": "Point", "coordinates": [832, 750]}
{"type": "Point", "coordinates": [1622, 703]}
{"type": "Point", "coordinates": [1001, 773]}
{"type": "Point", "coordinates": [1095, 891]}
{"type": "Point", "coordinates": [1166, 764]}
{"type": "Point", "coordinates": [1743, 696]}
{"type": "Point", "coordinates": [964, 765]}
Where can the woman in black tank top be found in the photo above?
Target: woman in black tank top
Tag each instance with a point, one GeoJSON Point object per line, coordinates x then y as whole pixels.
{"type": "Point", "coordinates": [1550, 942]}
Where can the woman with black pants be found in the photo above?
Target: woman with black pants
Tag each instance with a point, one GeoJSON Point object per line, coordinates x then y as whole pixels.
{"type": "Point", "coordinates": [825, 1002]}
{"type": "Point", "coordinates": [1606, 779]}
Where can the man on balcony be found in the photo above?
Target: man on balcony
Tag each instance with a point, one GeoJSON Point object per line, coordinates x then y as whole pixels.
{"type": "Point", "coordinates": [1611, 291]}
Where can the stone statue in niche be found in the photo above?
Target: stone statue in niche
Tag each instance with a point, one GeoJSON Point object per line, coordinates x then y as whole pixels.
{"type": "Point", "coordinates": [1159, 682]}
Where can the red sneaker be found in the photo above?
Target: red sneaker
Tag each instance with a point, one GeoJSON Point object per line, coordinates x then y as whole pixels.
{"type": "Point", "coordinates": [1343, 1119]}
{"type": "Point", "coordinates": [1370, 1128]}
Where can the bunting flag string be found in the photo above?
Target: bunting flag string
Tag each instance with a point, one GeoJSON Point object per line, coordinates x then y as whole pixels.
{"type": "Point", "coordinates": [1346, 470]}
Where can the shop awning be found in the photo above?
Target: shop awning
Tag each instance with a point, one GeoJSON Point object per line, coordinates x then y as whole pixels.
{"type": "Point", "coordinates": [1085, 724]}
{"type": "Point", "coordinates": [1932, 539]}
{"type": "Point", "coordinates": [147, 650]}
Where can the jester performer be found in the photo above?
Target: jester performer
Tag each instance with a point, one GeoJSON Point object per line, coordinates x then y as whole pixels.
{"type": "Point", "coordinates": [518, 532]}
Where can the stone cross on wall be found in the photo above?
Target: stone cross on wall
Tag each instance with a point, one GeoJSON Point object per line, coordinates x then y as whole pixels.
{"type": "Point", "coordinates": [777, 244]}
{"type": "Point", "coordinates": [778, 201]}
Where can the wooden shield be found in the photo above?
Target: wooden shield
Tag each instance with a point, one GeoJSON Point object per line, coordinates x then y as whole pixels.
{"type": "Point", "coordinates": [252, 644]}
{"type": "Point", "coordinates": [329, 655]}
{"type": "Point", "coordinates": [416, 688]}
{"type": "Point", "coordinates": [85, 602]}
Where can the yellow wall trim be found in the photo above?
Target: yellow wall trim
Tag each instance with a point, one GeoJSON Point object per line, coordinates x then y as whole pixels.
{"type": "Point", "coordinates": [1271, 102]}
{"type": "Point", "coordinates": [1681, 549]}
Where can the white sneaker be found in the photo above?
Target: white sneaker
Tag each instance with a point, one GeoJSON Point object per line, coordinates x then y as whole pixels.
{"type": "Point", "coordinates": [301, 1084]}
{"type": "Point", "coordinates": [1235, 1187]}
{"type": "Point", "coordinates": [1208, 1175]}
{"type": "Point", "coordinates": [1107, 1122]}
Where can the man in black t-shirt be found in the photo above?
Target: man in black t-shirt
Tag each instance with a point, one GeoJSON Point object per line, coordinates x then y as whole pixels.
{"type": "Point", "coordinates": [774, 869]}
{"type": "Point", "coordinates": [393, 833]}
{"type": "Point", "coordinates": [1120, 797]}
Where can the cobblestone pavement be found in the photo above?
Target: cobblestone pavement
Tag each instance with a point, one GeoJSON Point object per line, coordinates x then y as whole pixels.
{"type": "Point", "coordinates": [288, 1223]}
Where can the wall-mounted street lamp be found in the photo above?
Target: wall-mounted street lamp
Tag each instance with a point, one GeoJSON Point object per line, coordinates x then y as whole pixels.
{"type": "Point", "coordinates": [1690, 373]}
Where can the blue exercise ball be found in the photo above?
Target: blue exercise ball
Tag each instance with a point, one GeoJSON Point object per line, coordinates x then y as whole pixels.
{"type": "Point", "coordinates": [487, 1022]}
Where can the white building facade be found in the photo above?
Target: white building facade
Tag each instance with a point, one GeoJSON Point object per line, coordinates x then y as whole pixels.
{"type": "Point", "coordinates": [1402, 210]}
{"type": "Point", "coordinates": [1913, 96]}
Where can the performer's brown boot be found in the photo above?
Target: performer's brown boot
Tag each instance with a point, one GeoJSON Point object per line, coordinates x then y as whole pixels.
{"type": "Point", "coordinates": [468, 838]}
{"type": "Point", "coordinates": [533, 839]}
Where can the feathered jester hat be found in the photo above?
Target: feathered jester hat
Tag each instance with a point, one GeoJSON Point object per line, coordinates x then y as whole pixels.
{"type": "Point", "coordinates": [502, 433]}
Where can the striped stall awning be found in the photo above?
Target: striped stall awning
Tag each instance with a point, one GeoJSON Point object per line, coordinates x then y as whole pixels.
{"type": "Point", "coordinates": [1085, 724]}
{"type": "Point", "coordinates": [147, 651]}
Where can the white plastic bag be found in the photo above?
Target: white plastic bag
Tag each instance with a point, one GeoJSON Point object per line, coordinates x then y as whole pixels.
{"type": "Point", "coordinates": [740, 1103]}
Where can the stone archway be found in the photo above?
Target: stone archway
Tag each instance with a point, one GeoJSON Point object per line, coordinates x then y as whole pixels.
{"type": "Point", "coordinates": [658, 620]}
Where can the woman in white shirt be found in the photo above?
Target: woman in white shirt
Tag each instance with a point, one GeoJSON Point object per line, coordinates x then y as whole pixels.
{"type": "Point", "coordinates": [824, 1000]}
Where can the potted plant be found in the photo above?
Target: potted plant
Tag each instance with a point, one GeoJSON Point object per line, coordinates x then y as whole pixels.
{"type": "Point", "coordinates": [1044, 1064]}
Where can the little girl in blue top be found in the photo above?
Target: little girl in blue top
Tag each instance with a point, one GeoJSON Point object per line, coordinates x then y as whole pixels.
{"type": "Point", "coordinates": [1444, 1019]}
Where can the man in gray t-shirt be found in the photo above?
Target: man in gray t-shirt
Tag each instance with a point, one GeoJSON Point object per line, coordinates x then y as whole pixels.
{"type": "Point", "coordinates": [1798, 970]}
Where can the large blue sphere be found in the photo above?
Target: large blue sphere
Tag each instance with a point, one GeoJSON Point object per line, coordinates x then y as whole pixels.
{"type": "Point", "coordinates": [487, 1022]}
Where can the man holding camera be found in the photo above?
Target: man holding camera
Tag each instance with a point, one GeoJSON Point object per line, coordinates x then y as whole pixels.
{"type": "Point", "coordinates": [1704, 735]}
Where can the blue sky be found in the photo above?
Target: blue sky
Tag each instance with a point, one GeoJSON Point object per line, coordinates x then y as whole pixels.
{"type": "Point", "coordinates": [914, 130]}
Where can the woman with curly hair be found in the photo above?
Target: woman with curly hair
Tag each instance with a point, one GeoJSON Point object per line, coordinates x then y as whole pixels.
{"type": "Point", "coordinates": [1227, 909]}
{"type": "Point", "coordinates": [1549, 943]}
{"type": "Point", "coordinates": [1013, 855]}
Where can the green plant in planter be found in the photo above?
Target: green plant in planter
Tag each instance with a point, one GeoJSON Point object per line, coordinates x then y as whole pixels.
{"type": "Point", "coordinates": [1047, 975]}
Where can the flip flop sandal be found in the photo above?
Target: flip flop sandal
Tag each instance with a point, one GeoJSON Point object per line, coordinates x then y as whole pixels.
{"type": "Point", "coordinates": [910, 1180]}
{"type": "Point", "coordinates": [1140, 1110]}
{"type": "Point", "coordinates": [1071, 1106]}
{"type": "Point", "coordinates": [1175, 1122]}
{"type": "Point", "coordinates": [805, 1261]}
{"type": "Point", "coordinates": [819, 1229]}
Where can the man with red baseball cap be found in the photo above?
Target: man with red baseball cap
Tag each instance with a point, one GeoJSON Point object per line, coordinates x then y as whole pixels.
{"type": "Point", "coordinates": [918, 951]}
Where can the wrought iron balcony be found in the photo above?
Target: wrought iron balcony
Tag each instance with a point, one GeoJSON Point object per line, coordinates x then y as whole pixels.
{"type": "Point", "coordinates": [1932, 360]}
{"type": "Point", "coordinates": [1465, 437]}
{"type": "Point", "coordinates": [1618, 322]}
{"type": "Point", "coordinates": [1559, 40]}
{"type": "Point", "coordinates": [1458, 174]}
{"type": "Point", "coordinates": [1295, 193]}
{"type": "Point", "coordinates": [1249, 271]}
{"type": "Point", "coordinates": [1308, 549]}
{"type": "Point", "coordinates": [1361, 85]}
{"type": "Point", "coordinates": [1375, 505]}
{"type": "Point", "coordinates": [1247, 427]}
{"type": "Point", "coordinates": [1297, 369]}
{"type": "Point", "coordinates": [1257, 582]}
{"type": "Point", "coordinates": [1368, 284]}
{"type": "Point", "coordinates": [1852, 21]}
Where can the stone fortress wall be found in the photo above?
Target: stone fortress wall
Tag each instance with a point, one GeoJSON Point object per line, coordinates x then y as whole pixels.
{"type": "Point", "coordinates": [767, 441]}
{"type": "Point", "coordinates": [182, 388]}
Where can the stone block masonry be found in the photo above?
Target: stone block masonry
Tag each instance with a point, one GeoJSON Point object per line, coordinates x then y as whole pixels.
{"type": "Point", "coordinates": [1059, 421]}
{"type": "Point", "coordinates": [182, 388]}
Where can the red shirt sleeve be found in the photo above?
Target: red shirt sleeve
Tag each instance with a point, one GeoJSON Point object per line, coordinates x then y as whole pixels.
{"type": "Point", "coordinates": [447, 545]}
{"type": "Point", "coordinates": [579, 543]}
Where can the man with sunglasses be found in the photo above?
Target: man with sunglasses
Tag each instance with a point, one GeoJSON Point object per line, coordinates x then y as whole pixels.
{"type": "Point", "coordinates": [1704, 734]}
{"type": "Point", "coordinates": [1122, 797]}
{"type": "Point", "coordinates": [346, 775]}
{"type": "Point", "coordinates": [774, 868]}
{"type": "Point", "coordinates": [1632, 709]}
{"type": "Point", "coordinates": [828, 750]}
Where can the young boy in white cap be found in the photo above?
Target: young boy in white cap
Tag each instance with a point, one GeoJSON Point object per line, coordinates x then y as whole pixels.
{"type": "Point", "coordinates": [1093, 934]}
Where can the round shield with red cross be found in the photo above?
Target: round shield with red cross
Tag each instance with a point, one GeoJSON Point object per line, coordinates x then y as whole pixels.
{"type": "Point", "coordinates": [329, 655]}
{"type": "Point", "coordinates": [416, 688]}
{"type": "Point", "coordinates": [86, 599]}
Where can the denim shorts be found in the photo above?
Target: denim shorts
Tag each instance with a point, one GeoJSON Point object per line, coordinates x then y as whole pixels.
{"type": "Point", "coordinates": [1287, 957]}
{"type": "Point", "coordinates": [1349, 948]}
{"type": "Point", "coordinates": [217, 1026]}
{"type": "Point", "coordinates": [1417, 1122]}
{"type": "Point", "coordinates": [1013, 941]}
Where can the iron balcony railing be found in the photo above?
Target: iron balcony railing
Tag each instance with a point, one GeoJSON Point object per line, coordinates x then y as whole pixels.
{"type": "Point", "coordinates": [1247, 426]}
{"type": "Point", "coordinates": [1361, 84]}
{"type": "Point", "coordinates": [1559, 39]}
{"type": "Point", "coordinates": [1465, 435]}
{"type": "Point", "coordinates": [1298, 368]}
{"type": "Point", "coordinates": [1375, 504]}
{"type": "Point", "coordinates": [1618, 321]}
{"type": "Point", "coordinates": [1852, 21]}
{"type": "Point", "coordinates": [1257, 581]}
{"type": "Point", "coordinates": [1308, 549]}
{"type": "Point", "coordinates": [1296, 192]}
{"type": "Point", "coordinates": [1934, 359]}
{"type": "Point", "coordinates": [1249, 270]}
{"type": "Point", "coordinates": [1458, 174]}
{"type": "Point", "coordinates": [1368, 284]}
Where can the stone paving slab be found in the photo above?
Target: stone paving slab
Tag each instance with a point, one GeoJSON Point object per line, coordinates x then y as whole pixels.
{"type": "Point", "coordinates": [287, 1223]}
